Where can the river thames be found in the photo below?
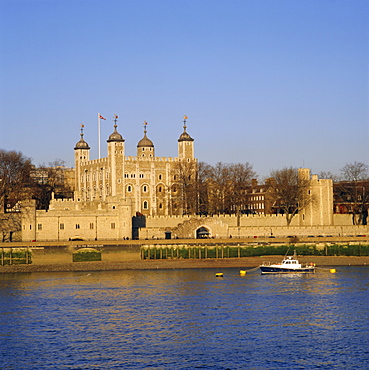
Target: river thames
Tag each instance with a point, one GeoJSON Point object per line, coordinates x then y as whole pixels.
{"type": "Point", "coordinates": [185, 319]}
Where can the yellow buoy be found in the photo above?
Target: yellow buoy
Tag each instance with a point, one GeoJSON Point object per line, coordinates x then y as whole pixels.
{"type": "Point", "coordinates": [219, 274]}
{"type": "Point", "coordinates": [332, 271]}
{"type": "Point", "coordinates": [243, 272]}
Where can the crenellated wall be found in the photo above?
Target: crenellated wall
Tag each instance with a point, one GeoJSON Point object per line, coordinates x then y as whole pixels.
{"type": "Point", "coordinates": [67, 220]}
{"type": "Point", "coordinates": [224, 226]}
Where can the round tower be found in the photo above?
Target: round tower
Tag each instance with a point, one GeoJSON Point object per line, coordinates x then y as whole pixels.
{"type": "Point", "coordinates": [81, 154]}
{"type": "Point", "coordinates": [185, 143]}
{"type": "Point", "coordinates": [115, 161]}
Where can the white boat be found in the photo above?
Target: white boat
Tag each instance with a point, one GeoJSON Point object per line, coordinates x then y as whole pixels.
{"type": "Point", "coordinates": [287, 266]}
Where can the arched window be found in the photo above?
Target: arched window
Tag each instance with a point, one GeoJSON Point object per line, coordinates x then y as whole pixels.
{"type": "Point", "coordinates": [145, 204]}
{"type": "Point", "coordinates": [129, 188]}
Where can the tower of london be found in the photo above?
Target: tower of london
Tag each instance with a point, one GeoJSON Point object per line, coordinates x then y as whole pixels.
{"type": "Point", "coordinates": [150, 183]}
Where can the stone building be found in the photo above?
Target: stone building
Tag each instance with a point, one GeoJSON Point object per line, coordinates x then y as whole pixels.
{"type": "Point", "coordinates": [122, 197]}
{"type": "Point", "coordinates": [110, 191]}
{"type": "Point", "coordinates": [150, 183]}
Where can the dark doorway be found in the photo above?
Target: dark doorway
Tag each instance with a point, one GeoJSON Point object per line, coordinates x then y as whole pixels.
{"type": "Point", "coordinates": [202, 233]}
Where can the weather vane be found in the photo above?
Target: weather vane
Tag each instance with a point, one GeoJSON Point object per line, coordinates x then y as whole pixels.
{"type": "Point", "coordinates": [184, 121]}
{"type": "Point", "coordinates": [115, 120]}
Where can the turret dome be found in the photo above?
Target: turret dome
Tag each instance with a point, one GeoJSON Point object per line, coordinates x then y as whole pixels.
{"type": "Point", "coordinates": [145, 141]}
{"type": "Point", "coordinates": [115, 136]}
{"type": "Point", "coordinates": [82, 143]}
{"type": "Point", "coordinates": [185, 135]}
{"type": "Point", "coordinates": [145, 147]}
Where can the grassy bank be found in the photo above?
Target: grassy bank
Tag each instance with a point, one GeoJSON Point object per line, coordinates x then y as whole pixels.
{"type": "Point", "coordinates": [239, 251]}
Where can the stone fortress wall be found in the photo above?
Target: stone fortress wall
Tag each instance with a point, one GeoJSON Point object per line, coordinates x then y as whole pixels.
{"type": "Point", "coordinates": [110, 191]}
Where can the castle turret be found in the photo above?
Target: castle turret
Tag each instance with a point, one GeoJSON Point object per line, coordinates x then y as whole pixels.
{"type": "Point", "coordinates": [185, 143]}
{"type": "Point", "coordinates": [81, 154]}
{"type": "Point", "coordinates": [319, 210]}
{"type": "Point", "coordinates": [115, 160]}
{"type": "Point", "coordinates": [145, 147]}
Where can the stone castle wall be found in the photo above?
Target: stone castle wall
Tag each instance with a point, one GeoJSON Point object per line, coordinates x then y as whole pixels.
{"type": "Point", "coordinates": [224, 226]}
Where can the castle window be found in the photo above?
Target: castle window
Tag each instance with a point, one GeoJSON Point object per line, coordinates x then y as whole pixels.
{"type": "Point", "coordinates": [112, 225]}
{"type": "Point", "coordinates": [77, 226]}
{"type": "Point", "coordinates": [145, 204]}
{"type": "Point", "coordinates": [174, 189]}
{"type": "Point", "coordinates": [39, 226]}
{"type": "Point", "coordinates": [160, 189]}
{"type": "Point", "coordinates": [129, 188]}
{"type": "Point", "coordinates": [61, 226]}
{"type": "Point", "coordinates": [91, 225]}
{"type": "Point", "coordinates": [160, 206]}
{"type": "Point", "coordinates": [160, 177]}
{"type": "Point", "coordinates": [144, 188]}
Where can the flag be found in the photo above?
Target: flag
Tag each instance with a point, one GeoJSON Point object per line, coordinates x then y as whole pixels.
{"type": "Point", "coordinates": [101, 117]}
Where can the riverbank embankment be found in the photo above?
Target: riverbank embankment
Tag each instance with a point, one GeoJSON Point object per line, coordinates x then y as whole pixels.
{"type": "Point", "coordinates": [242, 263]}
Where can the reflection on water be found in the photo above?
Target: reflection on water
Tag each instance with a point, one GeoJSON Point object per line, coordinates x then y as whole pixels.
{"type": "Point", "coordinates": [184, 319]}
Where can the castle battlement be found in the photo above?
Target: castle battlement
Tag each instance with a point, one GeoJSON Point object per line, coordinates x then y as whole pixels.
{"type": "Point", "coordinates": [97, 161]}
{"type": "Point", "coordinates": [152, 159]}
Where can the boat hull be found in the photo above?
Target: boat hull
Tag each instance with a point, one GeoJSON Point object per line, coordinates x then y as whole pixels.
{"type": "Point", "coordinates": [284, 270]}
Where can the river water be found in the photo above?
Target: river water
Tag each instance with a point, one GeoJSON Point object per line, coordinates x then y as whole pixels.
{"type": "Point", "coordinates": [185, 319]}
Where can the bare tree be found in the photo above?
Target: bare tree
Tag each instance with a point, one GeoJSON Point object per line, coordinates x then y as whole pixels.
{"type": "Point", "coordinates": [328, 175]}
{"type": "Point", "coordinates": [48, 180]}
{"type": "Point", "coordinates": [15, 186]}
{"type": "Point", "coordinates": [224, 187]}
{"type": "Point", "coordinates": [355, 172]}
{"type": "Point", "coordinates": [185, 173]}
{"type": "Point", "coordinates": [203, 176]}
{"type": "Point", "coordinates": [353, 190]}
{"type": "Point", "coordinates": [290, 192]}
{"type": "Point", "coordinates": [239, 179]}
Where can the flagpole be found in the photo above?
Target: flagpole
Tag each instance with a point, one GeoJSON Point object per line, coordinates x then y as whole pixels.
{"type": "Point", "coordinates": [98, 131]}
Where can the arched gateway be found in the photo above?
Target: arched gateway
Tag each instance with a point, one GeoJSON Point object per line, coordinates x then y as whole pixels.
{"type": "Point", "coordinates": [202, 233]}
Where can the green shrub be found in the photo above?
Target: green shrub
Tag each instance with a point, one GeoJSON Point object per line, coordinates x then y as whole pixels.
{"type": "Point", "coordinates": [86, 255]}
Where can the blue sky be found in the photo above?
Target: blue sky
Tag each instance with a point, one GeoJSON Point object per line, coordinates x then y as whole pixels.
{"type": "Point", "coordinates": [274, 83]}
